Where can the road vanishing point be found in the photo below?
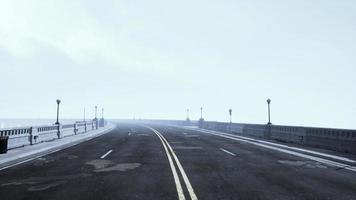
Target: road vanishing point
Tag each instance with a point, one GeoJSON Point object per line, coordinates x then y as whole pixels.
{"type": "Point", "coordinates": [161, 162]}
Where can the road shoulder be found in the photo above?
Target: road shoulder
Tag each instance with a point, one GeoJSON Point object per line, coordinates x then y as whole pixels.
{"type": "Point", "coordinates": [24, 154]}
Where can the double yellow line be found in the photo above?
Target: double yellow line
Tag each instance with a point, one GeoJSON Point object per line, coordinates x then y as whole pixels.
{"type": "Point", "coordinates": [170, 153]}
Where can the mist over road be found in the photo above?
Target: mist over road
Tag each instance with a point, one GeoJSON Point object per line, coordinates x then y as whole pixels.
{"type": "Point", "coordinates": [162, 162]}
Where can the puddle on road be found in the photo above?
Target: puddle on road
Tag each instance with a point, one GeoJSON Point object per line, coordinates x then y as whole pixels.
{"type": "Point", "coordinates": [120, 167]}
{"type": "Point", "coordinates": [307, 164]}
{"type": "Point", "coordinates": [107, 166]}
{"type": "Point", "coordinates": [100, 164]}
{"type": "Point", "coordinates": [47, 182]}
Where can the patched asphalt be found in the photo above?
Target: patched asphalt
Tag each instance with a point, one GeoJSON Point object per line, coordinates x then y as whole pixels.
{"type": "Point", "coordinates": [138, 168]}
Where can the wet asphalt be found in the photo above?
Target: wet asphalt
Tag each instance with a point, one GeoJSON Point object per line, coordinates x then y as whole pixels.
{"type": "Point", "coordinates": [130, 162]}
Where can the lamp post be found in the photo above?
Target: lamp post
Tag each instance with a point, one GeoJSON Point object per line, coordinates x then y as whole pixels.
{"type": "Point", "coordinates": [269, 111]}
{"type": "Point", "coordinates": [58, 102]}
{"type": "Point", "coordinates": [96, 112]}
{"type": "Point", "coordinates": [230, 113]}
{"type": "Point", "coordinates": [102, 113]}
{"type": "Point", "coordinates": [188, 114]}
{"type": "Point", "coordinates": [84, 115]}
{"type": "Point", "coordinates": [201, 113]}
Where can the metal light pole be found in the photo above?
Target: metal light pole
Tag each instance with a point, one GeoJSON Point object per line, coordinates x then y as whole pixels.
{"type": "Point", "coordinates": [102, 113]}
{"type": "Point", "coordinates": [96, 112]}
{"type": "Point", "coordinates": [84, 115]}
{"type": "Point", "coordinates": [188, 114]}
{"type": "Point", "coordinates": [230, 113]}
{"type": "Point", "coordinates": [201, 113]}
{"type": "Point", "coordinates": [269, 111]}
{"type": "Point", "coordinates": [58, 102]}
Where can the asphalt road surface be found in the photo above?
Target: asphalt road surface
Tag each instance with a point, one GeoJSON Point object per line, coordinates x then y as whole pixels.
{"type": "Point", "coordinates": [161, 162]}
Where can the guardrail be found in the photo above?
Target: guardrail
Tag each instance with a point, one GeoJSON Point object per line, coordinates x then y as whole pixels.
{"type": "Point", "coordinates": [19, 137]}
{"type": "Point", "coordinates": [343, 140]}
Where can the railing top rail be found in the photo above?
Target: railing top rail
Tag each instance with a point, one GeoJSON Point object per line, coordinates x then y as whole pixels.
{"type": "Point", "coordinates": [286, 126]}
{"type": "Point", "coordinates": [15, 128]}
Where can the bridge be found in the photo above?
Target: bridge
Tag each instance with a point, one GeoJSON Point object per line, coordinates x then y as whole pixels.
{"type": "Point", "coordinates": [172, 159]}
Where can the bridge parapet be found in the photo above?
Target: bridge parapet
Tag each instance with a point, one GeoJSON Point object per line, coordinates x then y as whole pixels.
{"type": "Point", "coordinates": [19, 137]}
{"type": "Point", "coordinates": [343, 140]}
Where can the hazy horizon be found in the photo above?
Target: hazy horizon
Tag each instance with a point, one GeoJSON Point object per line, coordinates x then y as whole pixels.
{"type": "Point", "coordinates": [155, 59]}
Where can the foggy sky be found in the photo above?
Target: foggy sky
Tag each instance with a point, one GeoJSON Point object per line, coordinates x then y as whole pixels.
{"type": "Point", "coordinates": [155, 59]}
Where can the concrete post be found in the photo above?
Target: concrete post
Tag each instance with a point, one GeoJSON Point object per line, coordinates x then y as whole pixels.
{"type": "Point", "coordinates": [267, 131]}
{"type": "Point", "coordinates": [33, 135]}
{"type": "Point", "coordinates": [59, 131]}
{"type": "Point", "coordinates": [75, 128]}
{"type": "Point", "coordinates": [96, 124]}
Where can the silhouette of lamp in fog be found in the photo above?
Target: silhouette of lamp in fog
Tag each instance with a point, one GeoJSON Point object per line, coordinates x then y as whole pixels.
{"type": "Point", "coordinates": [201, 113]}
{"type": "Point", "coordinates": [58, 102]}
{"type": "Point", "coordinates": [230, 113]}
{"type": "Point", "coordinates": [102, 113]}
{"type": "Point", "coordinates": [269, 111]}
{"type": "Point", "coordinates": [188, 119]}
{"type": "Point", "coordinates": [96, 112]}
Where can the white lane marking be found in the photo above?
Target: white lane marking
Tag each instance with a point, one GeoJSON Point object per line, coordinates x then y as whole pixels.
{"type": "Point", "coordinates": [321, 160]}
{"type": "Point", "coordinates": [173, 168]}
{"type": "Point", "coordinates": [190, 189]}
{"type": "Point", "coordinates": [54, 151]}
{"type": "Point", "coordinates": [107, 153]}
{"type": "Point", "coordinates": [228, 152]}
{"type": "Point", "coordinates": [288, 147]}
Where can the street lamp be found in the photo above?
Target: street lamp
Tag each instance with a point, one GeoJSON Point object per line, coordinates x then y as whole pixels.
{"type": "Point", "coordinates": [188, 114]}
{"type": "Point", "coordinates": [230, 113]}
{"type": "Point", "coordinates": [84, 115]}
{"type": "Point", "coordinates": [269, 111]}
{"type": "Point", "coordinates": [96, 112]}
{"type": "Point", "coordinates": [201, 113]}
{"type": "Point", "coordinates": [102, 113]}
{"type": "Point", "coordinates": [58, 102]}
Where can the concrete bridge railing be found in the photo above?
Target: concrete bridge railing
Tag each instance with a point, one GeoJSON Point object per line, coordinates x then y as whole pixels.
{"type": "Point", "coordinates": [19, 137]}
{"type": "Point", "coordinates": [343, 140]}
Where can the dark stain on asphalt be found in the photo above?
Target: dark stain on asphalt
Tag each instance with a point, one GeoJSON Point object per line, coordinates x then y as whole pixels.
{"type": "Point", "coordinates": [107, 166]}
{"type": "Point", "coordinates": [306, 164]}
{"type": "Point", "coordinates": [46, 186]}
{"type": "Point", "coordinates": [43, 183]}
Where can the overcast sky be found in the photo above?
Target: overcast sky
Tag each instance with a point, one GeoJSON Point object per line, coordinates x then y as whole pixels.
{"type": "Point", "coordinates": [155, 59]}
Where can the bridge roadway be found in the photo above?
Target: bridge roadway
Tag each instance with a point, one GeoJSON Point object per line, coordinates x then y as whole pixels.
{"type": "Point", "coordinates": [136, 162]}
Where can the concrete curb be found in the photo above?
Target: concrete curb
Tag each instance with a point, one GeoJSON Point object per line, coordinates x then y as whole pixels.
{"type": "Point", "coordinates": [31, 155]}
